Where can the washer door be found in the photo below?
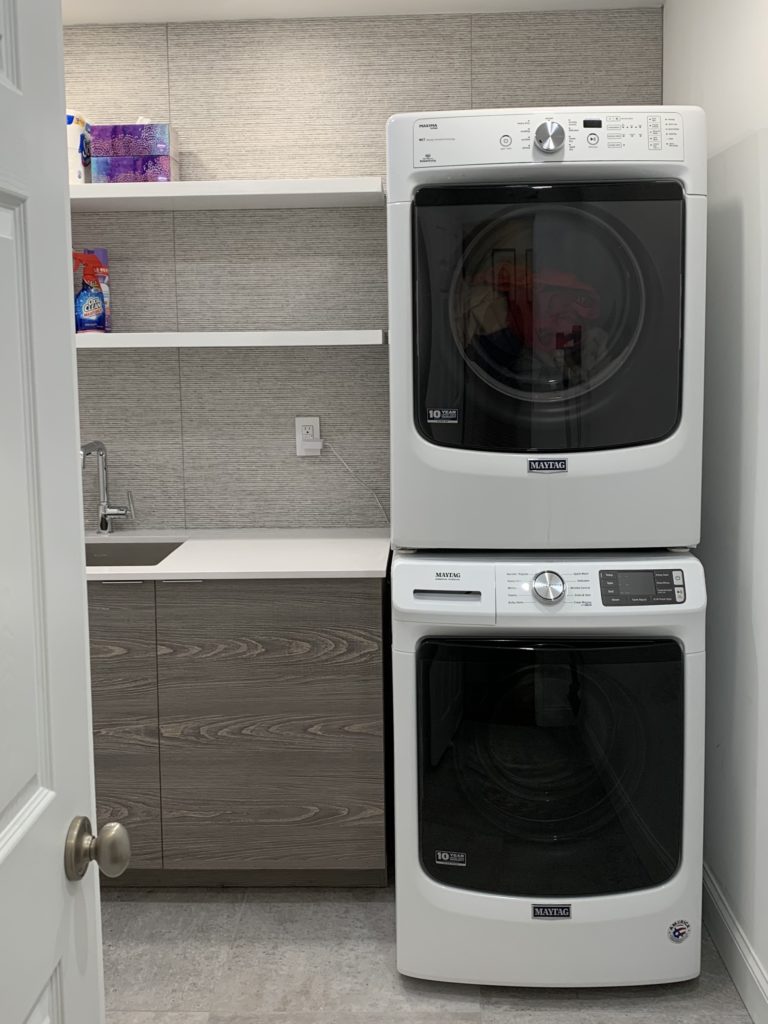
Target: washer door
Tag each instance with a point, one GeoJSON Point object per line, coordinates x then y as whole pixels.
{"type": "Point", "coordinates": [548, 318]}
{"type": "Point", "coordinates": [550, 769]}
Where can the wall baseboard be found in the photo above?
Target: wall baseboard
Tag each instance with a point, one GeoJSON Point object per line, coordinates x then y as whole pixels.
{"type": "Point", "coordinates": [749, 976]}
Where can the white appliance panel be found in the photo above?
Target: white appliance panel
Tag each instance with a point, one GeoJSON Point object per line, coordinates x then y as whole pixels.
{"type": "Point", "coordinates": [590, 135]}
{"type": "Point", "coordinates": [452, 933]}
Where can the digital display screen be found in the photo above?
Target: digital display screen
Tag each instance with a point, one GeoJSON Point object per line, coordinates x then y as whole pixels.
{"type": "Point", "coordinates": [636, 584]}
{"type": "Point", "coordinates": [593, 124]}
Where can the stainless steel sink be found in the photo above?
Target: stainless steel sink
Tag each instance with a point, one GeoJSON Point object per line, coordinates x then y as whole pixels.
{"type": "Point", "coordinates": [123, 553]}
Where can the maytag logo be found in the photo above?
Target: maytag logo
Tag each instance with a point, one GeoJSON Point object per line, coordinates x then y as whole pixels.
{"type": "Point", "coordinates": [447, 575]}
{"type": "Point", "coordinates": [551, 911]}
{"type": "Point", "coordinates": [428, 124]}
{"type": "Point", "coordinates": [547, 465]}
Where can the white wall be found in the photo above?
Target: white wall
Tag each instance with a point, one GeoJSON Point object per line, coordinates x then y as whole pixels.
{"type": "Point", "coordinates": [716, 56]}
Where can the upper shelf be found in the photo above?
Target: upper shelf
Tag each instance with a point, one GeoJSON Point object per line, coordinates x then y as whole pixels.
{"type": "Point", "coordinates": [227, 195]}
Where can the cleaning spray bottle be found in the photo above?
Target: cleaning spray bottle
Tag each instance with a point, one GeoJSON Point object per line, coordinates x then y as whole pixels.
{"type": "Point", "coordinates": [90, 312]}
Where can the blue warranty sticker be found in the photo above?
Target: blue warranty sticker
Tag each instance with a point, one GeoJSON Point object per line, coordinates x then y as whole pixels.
{"type": "Point", "coordinates": [679, 931]}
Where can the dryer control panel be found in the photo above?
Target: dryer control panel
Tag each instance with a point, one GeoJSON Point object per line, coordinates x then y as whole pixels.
{"type": "Point", "coordinates": [642, 586]}
{"type": "Point", "coordinates": [584, 136]}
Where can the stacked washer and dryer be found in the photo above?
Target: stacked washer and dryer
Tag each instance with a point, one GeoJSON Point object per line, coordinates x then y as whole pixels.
{"type": "Point", "coordinates": [546, 313]}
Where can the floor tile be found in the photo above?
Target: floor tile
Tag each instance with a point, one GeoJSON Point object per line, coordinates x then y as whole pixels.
{"type": "Point", "coordinates": [342, 1017]}
{"type": "Point", "coordinates": [329, 950]}
{"type": "Point", "coordinates": [147, 1017]}
{"type": "Point", "coordinates": [607, 1015]}
{"type": "Point", "coordinates": [164, 949]}
{"type": "Point", "coordinates": [264, 956]}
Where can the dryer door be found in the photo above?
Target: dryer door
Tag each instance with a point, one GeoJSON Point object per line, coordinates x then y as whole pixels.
{"type": "Point", "coordinates": [550, 769]}
{"type": "Point", "coordinates": [548, 318]}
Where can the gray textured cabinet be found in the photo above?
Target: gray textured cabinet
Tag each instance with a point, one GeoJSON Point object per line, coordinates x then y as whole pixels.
{"type": "Point", "coordinates": [125, 728]}
{"type": "Point", "coordinates": [269, 700]}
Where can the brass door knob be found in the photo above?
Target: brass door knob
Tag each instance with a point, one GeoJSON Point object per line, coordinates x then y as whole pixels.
{"type": "Point", "coordinates": [111, 849]}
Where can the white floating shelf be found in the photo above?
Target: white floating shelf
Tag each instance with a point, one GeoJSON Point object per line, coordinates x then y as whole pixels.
{"type": "Point", "coordinates": [227, 195]}
{"type": "Point", "coordinates": [228, 339]}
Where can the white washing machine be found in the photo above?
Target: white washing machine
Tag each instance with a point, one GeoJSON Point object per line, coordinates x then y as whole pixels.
{"type": "Point", "coordinates": [546, 327]}
{"type": "Point", "coordinates": [549, 767]}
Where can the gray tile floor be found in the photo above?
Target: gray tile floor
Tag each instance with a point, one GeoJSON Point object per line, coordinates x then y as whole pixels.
{"type": "Point", "coordinates": [311, 956]}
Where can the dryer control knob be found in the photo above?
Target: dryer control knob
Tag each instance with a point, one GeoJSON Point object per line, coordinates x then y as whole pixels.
{"type": "Point", "coordinates": [549, 586]}
{"type": "Point", "coordinates": [549, 136]}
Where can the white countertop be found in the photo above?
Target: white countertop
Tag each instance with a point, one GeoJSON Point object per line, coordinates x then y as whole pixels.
{"type": "Point", "coordinates": [254, 554]}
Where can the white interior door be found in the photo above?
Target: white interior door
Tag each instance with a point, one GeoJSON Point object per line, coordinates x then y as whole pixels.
{"type": "Point", "coordinates": [50, 939]}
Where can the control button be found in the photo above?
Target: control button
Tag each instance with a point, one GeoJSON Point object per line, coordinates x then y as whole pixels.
{"type": "Point", "coordinates": [679, 594]}
{"type": "Point", "coordinates": [549, 137]}
{"type": "Point", "coordinates": [677, 577]}
{"type": "Point", "coordinates": [506, 140]}
{"type": "Point", "coordinates": [593, 138]}
{"type": "Point", "coordinates": [549, 586]}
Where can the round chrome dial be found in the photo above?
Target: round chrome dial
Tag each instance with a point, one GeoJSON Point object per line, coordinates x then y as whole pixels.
{"type": "Point", "coordinates": [549, 136]}
{"type": "Point", "coordinates": [549, 586]}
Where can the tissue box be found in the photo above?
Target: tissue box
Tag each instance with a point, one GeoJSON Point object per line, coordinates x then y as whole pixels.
{"type": "Point", "coordinates": [134, 140]}
{"type": "Point", "coordinates": [140, 168]}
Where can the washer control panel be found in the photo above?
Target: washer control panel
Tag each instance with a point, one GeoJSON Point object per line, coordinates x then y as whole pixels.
{"type": "Point", "coordinates": [587, 135]}
{"type": "Point", "coordinates": [642, 586]}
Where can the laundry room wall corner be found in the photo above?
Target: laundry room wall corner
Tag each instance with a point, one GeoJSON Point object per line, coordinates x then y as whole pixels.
{"type": "Point", "coordinates": [714, 58]}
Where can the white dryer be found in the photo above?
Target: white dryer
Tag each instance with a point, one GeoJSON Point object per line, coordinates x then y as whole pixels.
{"type": "Point", "coordinates": [546, 327]}
{"type": "Point", "coordinates": [549, 767]}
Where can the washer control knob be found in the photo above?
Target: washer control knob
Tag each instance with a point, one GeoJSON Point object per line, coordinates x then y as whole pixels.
{"type": "Point", "coordinates": [549, 137]}
{"type": "Point", "coordinates": [549, 586]}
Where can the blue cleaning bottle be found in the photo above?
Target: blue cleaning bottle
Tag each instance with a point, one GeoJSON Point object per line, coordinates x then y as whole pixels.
{"type": "Point", "coordinates": [90, 312]}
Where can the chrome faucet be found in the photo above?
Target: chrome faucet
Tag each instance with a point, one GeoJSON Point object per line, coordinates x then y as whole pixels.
{"type": "Point", "coordinates": [107, 512]}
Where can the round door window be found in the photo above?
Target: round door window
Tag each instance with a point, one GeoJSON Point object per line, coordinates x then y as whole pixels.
{"type": "Point", "coordinates": [547, 304]}
{"type": "Point", "coordinates": [558, 758]}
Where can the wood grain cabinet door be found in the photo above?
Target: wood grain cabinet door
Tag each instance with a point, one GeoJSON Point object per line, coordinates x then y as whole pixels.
{"type": "Point", "coordinates": [125, 728]}
{"type": "Point", "coordinates": [271, 725]}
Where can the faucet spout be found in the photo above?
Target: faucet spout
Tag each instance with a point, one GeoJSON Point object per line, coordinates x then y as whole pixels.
{"type": "Point", "coordinates": [107, 512]}
{"type": "Point", "coordinates": [92, 448]}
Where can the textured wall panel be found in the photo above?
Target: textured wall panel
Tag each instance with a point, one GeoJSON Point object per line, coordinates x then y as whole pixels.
{"type": "Point", "coordinates": [117, 73]}
{"type": "Point", "coordinates": [141, 266]}
{"type": "Point", "coordinates": [303, 98]}
{"type": "Point", "coordinates": [290, 99]}
{"type": "Point", "coordinates": [240, 458]}
{"type": "Point", "coordinates": [282, 269]}
{"type": "Point", "coordinates": [566, 58]}
{"type": "Point", "coordinates": [129, 399]}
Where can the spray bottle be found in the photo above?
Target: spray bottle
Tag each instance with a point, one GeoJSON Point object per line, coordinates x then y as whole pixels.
{"type": "Point", "coordinates": [90, 312]}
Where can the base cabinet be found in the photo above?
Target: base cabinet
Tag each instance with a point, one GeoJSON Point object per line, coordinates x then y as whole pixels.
{"type": "Point", "coordinates": [268, 728]}
{"type": "Point", "coordinates": [125, 724]}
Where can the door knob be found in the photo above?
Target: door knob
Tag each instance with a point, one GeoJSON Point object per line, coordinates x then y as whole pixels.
{"type": "Point", "coordinates": [111, 849]}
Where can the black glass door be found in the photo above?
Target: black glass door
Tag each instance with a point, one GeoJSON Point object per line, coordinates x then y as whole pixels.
{"type": "Point", "coordinates": [550, 769]}
{"type": "Point", "coordinates": [548, 318]}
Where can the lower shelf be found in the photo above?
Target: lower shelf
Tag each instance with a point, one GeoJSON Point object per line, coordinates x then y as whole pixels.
{"type": "Point", "coordinates": [227, 339]}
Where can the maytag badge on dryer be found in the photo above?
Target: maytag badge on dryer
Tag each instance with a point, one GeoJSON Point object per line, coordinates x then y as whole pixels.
{"type": "Point", "coordinates": [547, 465]}
{"type": "Point", "coordinates": [551, 911]}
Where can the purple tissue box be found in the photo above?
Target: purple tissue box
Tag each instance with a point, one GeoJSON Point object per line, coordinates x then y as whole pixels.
{"type": "Point", "coordinates": [133, 140]}
{"type": "Point", "coordinates": [140, 168]}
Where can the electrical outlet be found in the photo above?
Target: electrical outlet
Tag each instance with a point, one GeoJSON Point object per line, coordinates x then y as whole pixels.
{"type": "Point", "coordinates": [308, 441]}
